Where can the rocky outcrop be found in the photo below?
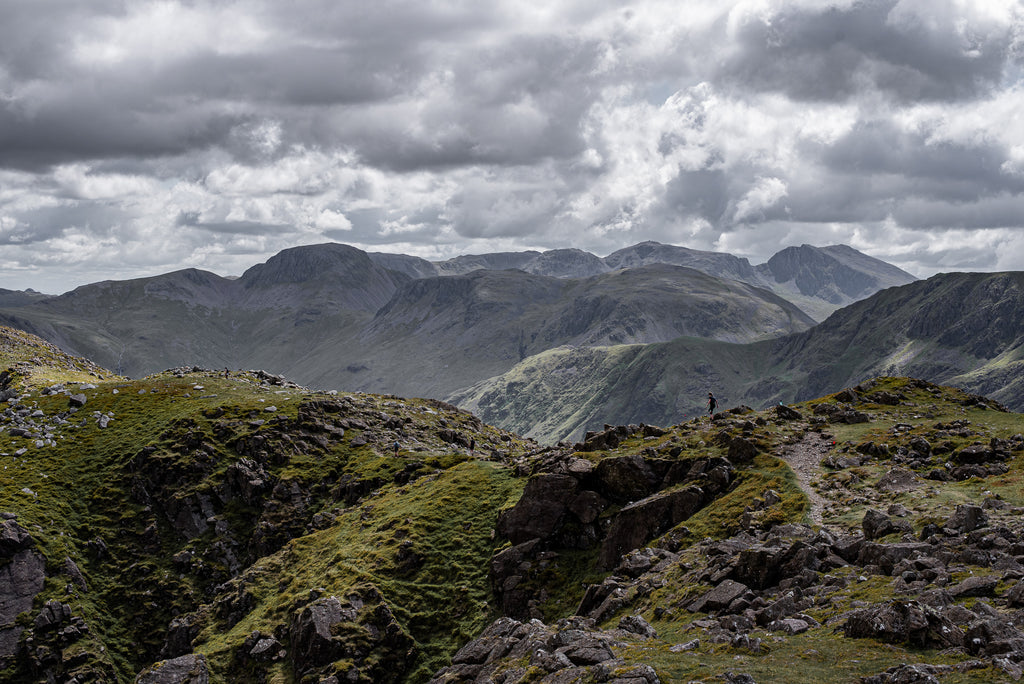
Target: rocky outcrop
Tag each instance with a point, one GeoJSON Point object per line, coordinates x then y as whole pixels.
{"type": "Point", "coordinates": [360, 630]}
{"type": "Point", "coordinates": [186, 669]}
{"type": "Point", "coordinates": [905, 622]}
{"type": "Point", "coordinates": [541, 509]}
{"type": "Point", "coordinates": [22, 576]}
{"type": "Point", "coordinates": [573, 650]}
{"type": "Point", "coordinates": [646, 519]}
{"type": "Point", "coordinates": [615, 506]}
{"type": "Point", "coordinates": [769, 580]}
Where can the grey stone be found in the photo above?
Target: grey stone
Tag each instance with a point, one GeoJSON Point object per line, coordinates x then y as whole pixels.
{"type": "Point", "coordinates": [967, 518]}
{"type": "Point", "coordinates": [718, 598]}
{"type": "Point", "coordinates": [186, 669]}
{"type": "Point", "coordinates": [635, 624]}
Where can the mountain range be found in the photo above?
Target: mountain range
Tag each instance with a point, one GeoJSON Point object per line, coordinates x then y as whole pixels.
{"type": "Point", "coordinates": [964, 329]}
{"type": "Point", "coordinates": [554, 344]}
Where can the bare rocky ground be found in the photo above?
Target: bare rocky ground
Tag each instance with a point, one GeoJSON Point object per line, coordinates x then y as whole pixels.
{"type": "Point", "coordinates": [805, 457]}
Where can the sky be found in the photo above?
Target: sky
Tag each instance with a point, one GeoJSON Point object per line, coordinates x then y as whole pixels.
{"type": "Point", "coordinates": [139, 137]}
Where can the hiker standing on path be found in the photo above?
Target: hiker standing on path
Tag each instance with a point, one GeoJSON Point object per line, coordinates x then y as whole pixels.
{"type": "Point", "coordinates": [712, 404]}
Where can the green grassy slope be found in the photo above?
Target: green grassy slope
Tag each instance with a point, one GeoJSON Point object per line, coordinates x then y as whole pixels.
{"type": "Point", "coordinates": [196, 480]}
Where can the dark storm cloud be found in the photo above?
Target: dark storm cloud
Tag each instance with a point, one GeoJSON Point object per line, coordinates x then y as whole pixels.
{"type": "Point", "coordinates": [221, 129]}
{"type": "Point", "coordinates": [191, 219]}
{"type": "Point", "coordinates": [514, 104]}
{"type": "Point", "coordinates": [83, 124]}
{"type": "Point", "coordinates": [995, 212]}
{"type": "Point", "coordinates": [34, 36]}
{"type": "Point", "coordinates": [703, 193]}
{"type": "Point", "coordinates": [879, 147]}
{"type": "Point", "coordinates": [46, 223]}
{"type": "Point", "coordinates": [832, 53]}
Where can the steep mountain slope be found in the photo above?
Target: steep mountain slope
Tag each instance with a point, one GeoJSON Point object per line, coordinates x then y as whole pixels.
{"type": "Point", "coordinates": [563, 393]}
{"type": "Point", "coordinates": [821, 280]}
{"type": "Point", "coordinates": [190, 527]}
{"type": "Point", "coordinates": [962, 328]}
{"type": "Point", "coordinates": [331, 275]}
{"type": "Point", "coordinates": [438, 335]}
{"type": "Point", "coordinates": [965, 329]}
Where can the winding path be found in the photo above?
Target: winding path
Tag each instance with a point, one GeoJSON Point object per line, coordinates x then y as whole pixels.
{"type": "Point", "coordinates": [804, 457]}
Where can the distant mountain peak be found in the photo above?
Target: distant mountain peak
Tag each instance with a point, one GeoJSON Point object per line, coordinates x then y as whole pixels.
{"type": "Point", "coordinates": [306, 263]}
{"type": "Point", "coordinates": [838, 274]}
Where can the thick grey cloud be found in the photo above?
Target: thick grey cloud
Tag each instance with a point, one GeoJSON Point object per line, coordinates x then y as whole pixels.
{"type": "Point", "coordinates": [909, 51]}
{"type": "Point", "coordinates": [147, 136]}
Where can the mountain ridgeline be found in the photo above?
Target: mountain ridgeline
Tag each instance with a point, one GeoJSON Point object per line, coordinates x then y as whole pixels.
{"type": "Point", "coordinates": [335, 317]}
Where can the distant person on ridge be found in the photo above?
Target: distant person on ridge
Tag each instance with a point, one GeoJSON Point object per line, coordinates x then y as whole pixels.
{"type": "Point", "coordinates": [712, 404]}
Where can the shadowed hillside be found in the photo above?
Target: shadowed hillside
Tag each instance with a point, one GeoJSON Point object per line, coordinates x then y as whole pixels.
{"type": "Point", "coordinates": [333, 316]}
{"type": "Point", "coordinates": [962, 328]}
{"type": "Point", "coordinates": [441, 334]}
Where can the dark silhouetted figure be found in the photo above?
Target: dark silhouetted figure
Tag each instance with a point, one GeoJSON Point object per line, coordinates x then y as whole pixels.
{"type": "Point", "coordinates": [712, 404]}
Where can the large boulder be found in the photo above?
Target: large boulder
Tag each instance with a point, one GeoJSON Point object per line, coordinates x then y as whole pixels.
{"type": "Point", "coordinates": [362, 630]}
{"type": "Point", "coordinates": [967, 518]}
{"type": "Point", "coordinates": [186, 669]}
{"type": "Point", "coordinates": [741, 450]}
{"type": "Point", "coordinates": [783, 412]}
{"type": "Point", "coordinates": [904, 622]}
{"type": "Point", "coordinates": [640, 522]}
{"type": "Point", "coordinates": [886, 556]}
{"type": "Point", "coordinates": [540, 510]}
{"type": "Point", "coordinates": [993, 636]}
{"type": "Point", "coordinates": [764, 565]}
{"type": "Point", "coordinates": [623, 479]}
{"type": "Point", "coordinates": [311, 639]}
{"type": "Point", "coordinates": [719, 597]}
{"type": "Point", "coordinates": [876, 525]}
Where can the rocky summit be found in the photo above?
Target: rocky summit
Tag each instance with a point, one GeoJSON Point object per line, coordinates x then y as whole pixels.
{"type": "Point", "coordinates": [202, 525]}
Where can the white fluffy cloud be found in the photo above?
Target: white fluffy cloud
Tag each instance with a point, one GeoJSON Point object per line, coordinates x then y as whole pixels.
{"type": "Point", "coordinates": [142, 137]}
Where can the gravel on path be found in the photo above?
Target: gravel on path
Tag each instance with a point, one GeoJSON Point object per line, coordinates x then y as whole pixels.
{"type": "Point", "coordinates": [805, 457]}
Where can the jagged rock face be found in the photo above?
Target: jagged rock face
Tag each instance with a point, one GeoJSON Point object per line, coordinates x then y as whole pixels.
{"type": "Point", "coordinates": [328, 630]}
{"type": "Point", "coordinates": [566, 509]}
{"type": "Point", "coordinates": [836, 274]}
{"type": "Point", "coordinates": [648, 518]}
{"type": "Point", "coordinates": [22, 575]}
{"type": "Point", "coordinates": [541, 510]}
